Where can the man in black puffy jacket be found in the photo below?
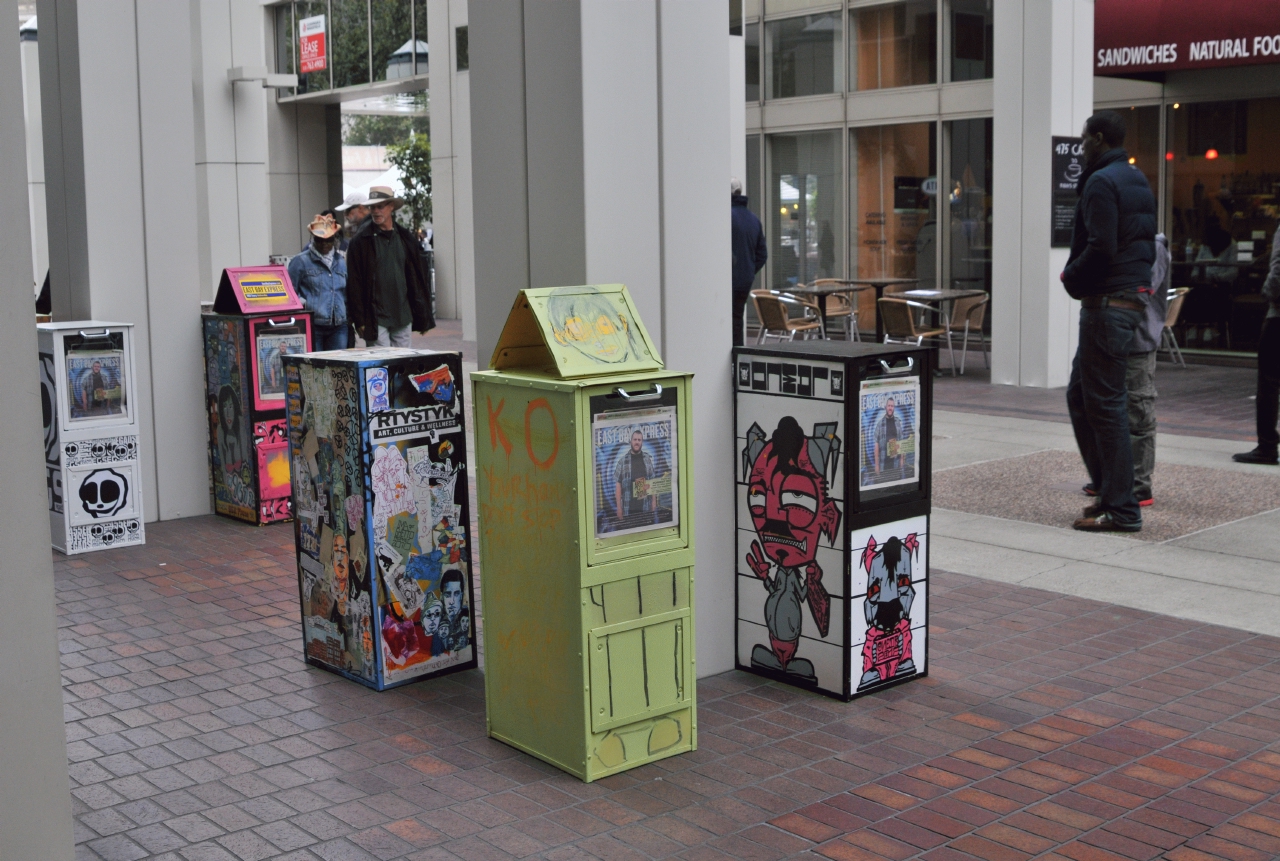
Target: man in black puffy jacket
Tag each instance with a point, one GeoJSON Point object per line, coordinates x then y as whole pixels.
{"type": "Point", "coordinates": [1109, 271]}
{"type": "Point", "coordinates": [749, 254]}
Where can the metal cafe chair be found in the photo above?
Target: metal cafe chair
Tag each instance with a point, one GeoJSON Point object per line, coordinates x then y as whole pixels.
{"type": "Point", "coordinates": [899, 323]}
{"type": "Point", "coordinates": [842, 307]}
{"type": "Point", "coordinates": [968, 315]}
{"type": "Point", "coordinates": [776, 322]}
{"type": "Point", "coordinates": [1168, 341]}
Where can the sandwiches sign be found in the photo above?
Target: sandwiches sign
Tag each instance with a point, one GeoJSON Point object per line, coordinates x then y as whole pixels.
{"type": "Point", "coordinates": [1163, 35]}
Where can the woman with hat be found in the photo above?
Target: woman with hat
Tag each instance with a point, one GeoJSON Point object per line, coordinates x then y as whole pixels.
{"type": "Point", "coordinates": [319, 274]}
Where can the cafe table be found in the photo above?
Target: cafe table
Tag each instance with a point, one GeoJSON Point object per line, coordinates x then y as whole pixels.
{"type": "Point", "coordinates": [848, 285]}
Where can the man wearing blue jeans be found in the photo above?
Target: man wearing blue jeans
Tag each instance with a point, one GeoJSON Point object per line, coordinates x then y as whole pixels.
{"type": "Point", "coordinates": [1112, 249]}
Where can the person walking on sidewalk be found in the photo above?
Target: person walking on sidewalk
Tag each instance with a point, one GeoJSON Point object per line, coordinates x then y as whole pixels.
{"type": "Point", "coordinates": [1112, 250]}
{"type": "Point", "coordinates": [387, 293]}
{"type": "Point", "coordinates": [1267, 406]}
{"type": "Point", "coordinates": [749, 254]}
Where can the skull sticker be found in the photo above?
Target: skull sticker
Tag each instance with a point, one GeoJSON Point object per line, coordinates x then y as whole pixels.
{"type": "Point", "coordinates": [103, 493]}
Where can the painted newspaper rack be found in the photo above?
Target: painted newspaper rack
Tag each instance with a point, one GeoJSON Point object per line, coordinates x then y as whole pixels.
{"type": "Point", "coordinates": [382, 522]}
{"type": "Point", "coordinates": [832, 465]}
{"type": "Point", "coordinates": [257, 318]}
{"type": "Point", "coordinates": [87, 392]}
{"type": "Point", "coordinates": [583, 448]}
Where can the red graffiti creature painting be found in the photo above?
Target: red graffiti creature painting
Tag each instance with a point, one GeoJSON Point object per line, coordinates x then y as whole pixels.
{"type": "Point", "coordinates": [886, 653]}
{"type": "Point", "coordinates": [789, 499]}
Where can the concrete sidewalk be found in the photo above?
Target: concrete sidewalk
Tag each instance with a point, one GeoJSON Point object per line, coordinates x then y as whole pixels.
{"type": "Point", "coordinates": [1227, 574]}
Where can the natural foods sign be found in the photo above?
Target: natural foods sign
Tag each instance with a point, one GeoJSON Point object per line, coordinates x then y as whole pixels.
{"type": "Point", "coordinates": [311, 48]}
{"type": "Point", "coordinates": [1163, 35]}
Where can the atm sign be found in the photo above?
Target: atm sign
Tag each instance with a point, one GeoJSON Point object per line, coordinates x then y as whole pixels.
{"type": "Point", "coordinates": [263, 289]}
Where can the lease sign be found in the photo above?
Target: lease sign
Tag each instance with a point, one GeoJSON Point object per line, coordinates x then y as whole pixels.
{"type": "Point", "coordinates": [311, 55]}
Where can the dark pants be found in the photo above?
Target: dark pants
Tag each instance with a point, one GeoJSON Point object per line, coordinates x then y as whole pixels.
{"type": "Point", "coordinates": [1269, 384]}
{"type": "Point", "coordinates": [1099, 407]}
{"type": "Point", "coordinates": [329, 337]}
{"type": "Point", "coordinates": [739, 305]}
{"type": "Point", "coordinates": [1141, 384]}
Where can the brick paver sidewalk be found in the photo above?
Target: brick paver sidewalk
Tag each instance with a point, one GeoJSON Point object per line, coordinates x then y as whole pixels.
{"type": "Point", "coordinates": [1050, 726]}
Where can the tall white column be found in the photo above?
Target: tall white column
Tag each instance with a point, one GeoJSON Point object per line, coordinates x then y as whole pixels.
{"type": "Point", "coordinates": [451, 167]}
{"type": "Point", "coordinates": [30, 51]}
{"type": "Point", "coordinates": [601, 154]}
{"type": "Point", "coordinates": [1043, 86]}
{"type": "Point", "coordinates": [35, 800]}
{"type": "Point", "coordinates": [121, 185]}
{"type": "Point", "coordinates": [233, 208]}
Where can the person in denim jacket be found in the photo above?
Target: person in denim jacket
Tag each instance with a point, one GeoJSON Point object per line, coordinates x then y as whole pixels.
{"type": "Point", "coordinates": [319, 274]}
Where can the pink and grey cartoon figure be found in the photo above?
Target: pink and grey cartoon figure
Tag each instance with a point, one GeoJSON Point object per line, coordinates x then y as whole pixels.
{"type": "Point", "coordinates": [886, 653]}
{"type": "Point", "coordinates": [791, 507]}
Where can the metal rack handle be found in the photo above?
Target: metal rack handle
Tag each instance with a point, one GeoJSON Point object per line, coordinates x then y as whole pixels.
{"type": "Point", "coordinates": [911, 363]}
{"type": "Point", "coordinates": [105, 333]}
{"type": "Point", "coordinates": [652, 394]}
{"type": "Point", "coordinates": [271, 322]}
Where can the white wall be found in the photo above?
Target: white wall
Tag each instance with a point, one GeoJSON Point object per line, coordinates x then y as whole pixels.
{"type": "Point", "coordinates": [1043, 86]}
{"type": "Point", "coordinates": [601, 154]}
{"type": "Point", "coordinates": [738, 110]}
{"type": "Point", "coordinates": [450, 100]}
{"type": "Point", "coordinates": [233, 216]}
{"type": "Point", "coordinates": [121, 181]}
{"type": "Point", "coordinates": [30, 54]}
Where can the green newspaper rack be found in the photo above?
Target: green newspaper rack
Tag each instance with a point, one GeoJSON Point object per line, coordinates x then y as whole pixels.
{"type": "Point", "coordinates": [584, 484]}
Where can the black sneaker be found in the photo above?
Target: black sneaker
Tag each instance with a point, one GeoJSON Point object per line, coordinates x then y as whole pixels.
{"type": "Point", "coordinates": [1089, 489]}
{"type": "Point", "coordinates": [1258, 455]}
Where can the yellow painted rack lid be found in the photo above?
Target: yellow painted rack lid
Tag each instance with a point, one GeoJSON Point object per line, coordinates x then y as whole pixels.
{"type": "Point", "coordinates": [570, 332]}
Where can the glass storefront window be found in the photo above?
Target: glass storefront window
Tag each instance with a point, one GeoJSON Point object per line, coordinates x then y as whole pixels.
{"type": "Point", "coordinates": [895, 202]}
{"type": "Point", "coordinates": [895, 45]}
{"type": "Point", "coordinates": [804, 56]}
{"type": "Point", "coordinates": [420, 37]}
{"type": "Point", "coordinates": [1223, 202]}
{"type": "Point", "coordinates": [312, 81]}
{"type": "Point", "coordinates": [805, 205]}
{"type": "Point", "coordinates": [349, 32]}
{"type": "Point", "coordinates": [971, 47]}
{"type": "Point", "coordinates": [752, 39]}
{"type": "Point", "coordinates": [392, 33]}
{"type": "Point", "coordinates": [1142, 140]}
{"type": "Point", "coordinates": [968, 190]}
{"type": "Point", "coordinates": [285, 63]}
{"type": "Point", "coordinates": [751, 187]}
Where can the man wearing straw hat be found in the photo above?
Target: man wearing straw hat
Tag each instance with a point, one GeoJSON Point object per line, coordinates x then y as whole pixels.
{"type": "Point", "coordinates": [387, 294]}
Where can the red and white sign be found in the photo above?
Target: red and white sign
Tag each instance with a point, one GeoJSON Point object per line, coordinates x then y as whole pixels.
{"type": "Point", "coordinates": [311, 54]}
{"type": "Point", "coordinates": [1163, 35]}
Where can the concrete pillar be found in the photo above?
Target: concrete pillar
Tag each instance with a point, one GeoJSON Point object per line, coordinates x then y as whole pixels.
{"type": "Point", "coordinates": [233, 211]}
{"type": "Point", "coordinates": [35, 800]}
{"type": "Point", "coordinates": [738, 108]}
{"type": "Point", "coordinates": [1043, 86]}
{"type": "Point", "coordinates": [30, 52]}
{"type": "Point", "coordinates": [121, 187]}
{"type": "Point", "coordinates": [450, 99]}
{"type": "Point", "coordinates": [600, 154]}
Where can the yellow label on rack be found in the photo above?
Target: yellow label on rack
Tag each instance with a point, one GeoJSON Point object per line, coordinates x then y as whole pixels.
{"type": "Point", "coordinates": [263, 289]}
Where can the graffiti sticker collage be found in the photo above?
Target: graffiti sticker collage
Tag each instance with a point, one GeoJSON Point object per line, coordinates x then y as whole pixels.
{"type": "Point", "coordinates": [229, 419]}
{"type": "Point", "coordinates": [381, 492]}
